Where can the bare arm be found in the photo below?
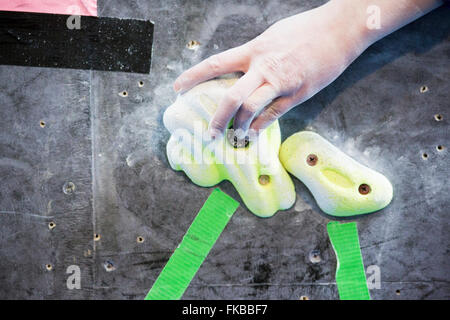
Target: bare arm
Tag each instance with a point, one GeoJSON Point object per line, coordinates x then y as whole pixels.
{"type": "Point", "coordinates": [393, 14]}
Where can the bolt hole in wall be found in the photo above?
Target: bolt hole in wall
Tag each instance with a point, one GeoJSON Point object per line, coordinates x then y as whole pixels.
{"type": "Point", "coordinates": [51, 225]}
{"type": "Point", "coordinates": [140, 84]}
{"type": "Point", "coordinates": [123, 93]}
{"type": "Point", "coordinates": [423, 89]}
{"type": "Point", "coordinates": [425, 156]}
{"type": "Point", "coordinates": [42, 124]}
{"type": "Point", "coordinates": [304, 298]}
{"type": "Point", "coordinates": [49, 267]}
{"type": "Point", "coordinates": [438, 117]}
{"type": "Point", "coordinates": [397, 292]}
{"type": "Point", "coordinates": [109, 266]}
{"type": "Point", "coordinates": [314, 256]}
{"type": "Point", "coordinates": [96, 237]}
{"type": "Point", "coordinates": [140, 239]}
{"type": "Point", "coordinates": [440, 147]}
{"type": "Point", "coordinates": [193, 45]}
{"type": "Point", "coordinates": [69, 187]}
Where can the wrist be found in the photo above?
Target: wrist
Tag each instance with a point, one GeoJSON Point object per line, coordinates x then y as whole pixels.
{"type": "Point", "coordinates": [350, 22]}
{"type": "Point", "coordinates": [361, 16]}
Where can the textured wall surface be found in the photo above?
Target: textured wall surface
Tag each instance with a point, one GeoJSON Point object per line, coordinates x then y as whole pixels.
{"type": "Point", "coordinates": [76, 152]}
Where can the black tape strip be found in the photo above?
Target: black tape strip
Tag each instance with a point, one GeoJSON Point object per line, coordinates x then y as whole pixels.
{"type": "Point", "coordinates": [46, 40]}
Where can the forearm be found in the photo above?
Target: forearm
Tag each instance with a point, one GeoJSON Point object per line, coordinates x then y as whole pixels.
{"type": "Point", "coordinates": [393, 14]}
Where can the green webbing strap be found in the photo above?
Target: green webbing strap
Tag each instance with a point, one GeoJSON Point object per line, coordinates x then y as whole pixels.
{"type": "Point", "coordinates": [350, 274]}
{"type": "Point", "coordinates": [195, 246]}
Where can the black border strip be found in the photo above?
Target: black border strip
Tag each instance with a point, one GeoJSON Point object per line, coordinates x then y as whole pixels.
{"type": "Point", "coordinates": [45, 40]}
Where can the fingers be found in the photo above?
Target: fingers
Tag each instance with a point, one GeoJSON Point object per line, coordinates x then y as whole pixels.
{"type": "Point", "coordinates": [235, 96]}
{"type": "Point", "coordinates": [278, 108]}
{"type": "Point", "coordinates": [260, 98]}
{"type": "Point", "coordinates": [275, 110]}
{"type": "Point", "coordinates": [231, 60]}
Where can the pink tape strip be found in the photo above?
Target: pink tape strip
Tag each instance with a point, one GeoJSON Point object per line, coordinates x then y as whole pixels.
{"type": "Point", "coordinates": [75, 7]}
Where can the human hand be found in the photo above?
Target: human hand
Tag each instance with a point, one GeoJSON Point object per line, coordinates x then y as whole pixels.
{"type": "Point", "coordinates": [284, 66]}
{"type": "Point", "coordinates": [290, 62]}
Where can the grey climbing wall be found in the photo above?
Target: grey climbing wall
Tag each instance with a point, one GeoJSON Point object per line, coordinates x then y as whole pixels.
{"type": "Point", "coordinates": [85, 150]}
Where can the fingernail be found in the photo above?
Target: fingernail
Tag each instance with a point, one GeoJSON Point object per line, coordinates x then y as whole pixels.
{"type": "Point", "coordinates": [252, 134]}
{"type": "Point", "coordinates": [214, 133]}
{"type": "Point", "coordinates": [177, 87]}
